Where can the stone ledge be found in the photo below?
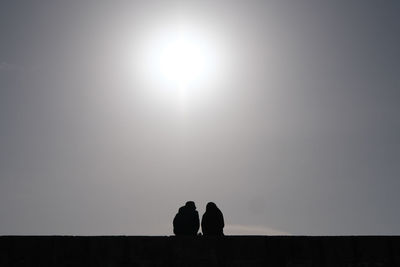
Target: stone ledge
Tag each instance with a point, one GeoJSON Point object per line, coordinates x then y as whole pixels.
{"type": "Point", "coordinates": [300, 251]}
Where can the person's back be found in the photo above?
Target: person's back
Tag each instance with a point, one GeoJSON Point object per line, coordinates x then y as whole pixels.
{"type": "Point", "coordinates": [212, 222]}
{"type": "Point", "coordinates": [186, 221]}
{"type": "Point", "coordinates": [179, 222]}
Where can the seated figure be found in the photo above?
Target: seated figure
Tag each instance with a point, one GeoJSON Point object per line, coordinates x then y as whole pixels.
{"type": "Point", "coordinates": [186, 221]}
{"type": "Point", "coordinates": [212, 222]}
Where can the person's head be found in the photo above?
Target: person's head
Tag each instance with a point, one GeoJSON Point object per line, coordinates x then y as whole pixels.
{"type": "Point", "coordinates": [190, 205]}
{"type": "Point", "coordinates": [211, 206]}
{"type": "Point", "coordinates": [181, 209]}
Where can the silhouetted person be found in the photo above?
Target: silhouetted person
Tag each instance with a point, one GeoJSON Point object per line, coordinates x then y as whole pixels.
{"type": "Point", "coordinates": [212, 222]}
{"type": "Point", "coordinates": [186, 221]}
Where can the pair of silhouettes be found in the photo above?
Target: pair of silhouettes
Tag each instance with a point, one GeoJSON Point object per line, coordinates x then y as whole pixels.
{"type": "Point", "coordinates": [186, 221]}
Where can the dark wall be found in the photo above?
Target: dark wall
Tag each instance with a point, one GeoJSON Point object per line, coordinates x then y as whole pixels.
{"type": "Point", "coordinates": [362, 251]}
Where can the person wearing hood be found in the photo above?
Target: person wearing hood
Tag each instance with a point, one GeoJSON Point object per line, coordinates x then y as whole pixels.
{"type": "Point", "coordinates": [186, 221]}
{"type": "Point", "coordinates": [212, 222]}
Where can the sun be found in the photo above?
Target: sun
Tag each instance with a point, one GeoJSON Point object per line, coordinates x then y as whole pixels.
{"type": "Point", "coordinates": [183, 61]}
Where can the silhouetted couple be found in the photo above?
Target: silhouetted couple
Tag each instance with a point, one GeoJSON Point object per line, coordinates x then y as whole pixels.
{"type": "Point", "coordinates": [186, 221]}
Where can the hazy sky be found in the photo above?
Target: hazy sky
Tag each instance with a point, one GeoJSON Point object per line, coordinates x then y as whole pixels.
{"type": "Point", "coordinates": [299, 136]}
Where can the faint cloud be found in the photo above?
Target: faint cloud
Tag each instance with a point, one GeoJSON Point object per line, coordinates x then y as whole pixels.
{"type": "Point", "coordinates": [4, 66]}
{"type": "Point", "coordinates": [236, 229]}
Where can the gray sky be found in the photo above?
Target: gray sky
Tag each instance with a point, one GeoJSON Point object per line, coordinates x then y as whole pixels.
{"type": "Point", "coordinates": [300, 137]}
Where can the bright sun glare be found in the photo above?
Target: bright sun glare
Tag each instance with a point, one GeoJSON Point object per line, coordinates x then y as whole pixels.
{"type": "Point", "coordinates": [182, 61]}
